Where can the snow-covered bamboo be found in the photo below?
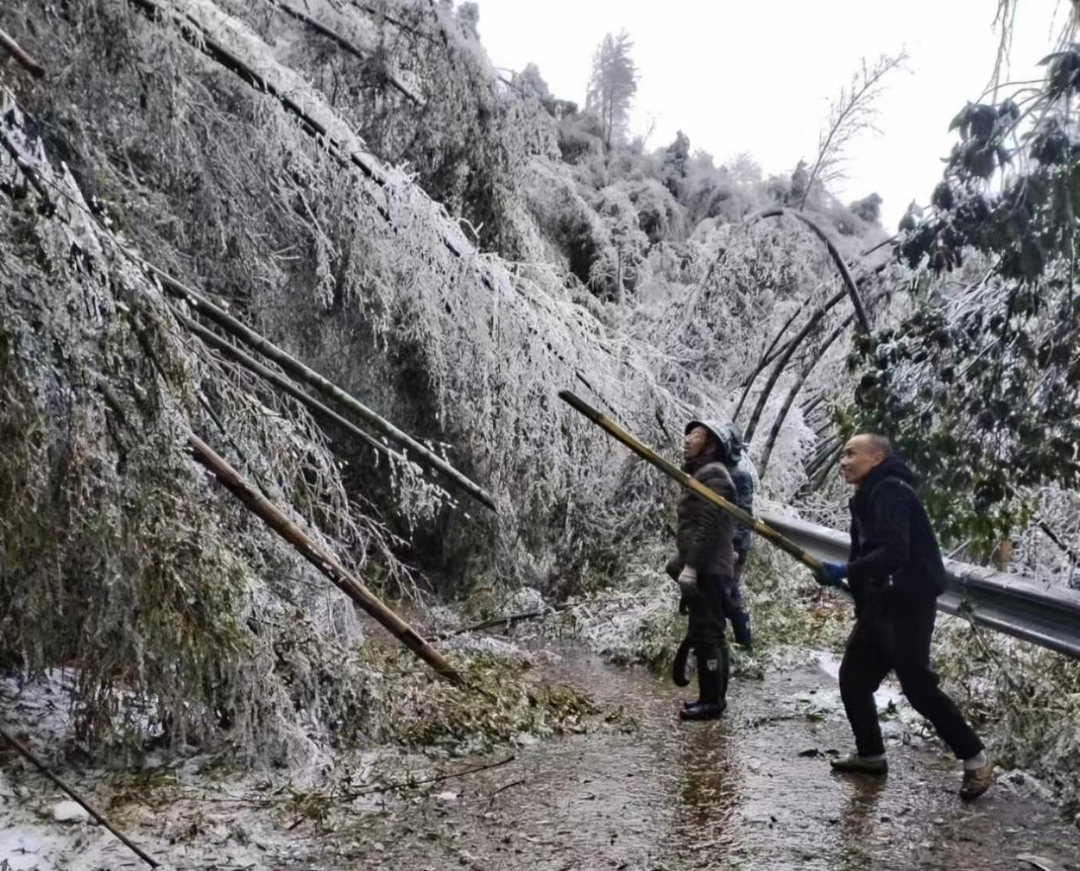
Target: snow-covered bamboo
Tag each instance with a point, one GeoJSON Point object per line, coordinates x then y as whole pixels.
{"type": "Point", "coordinates": [322, 559]}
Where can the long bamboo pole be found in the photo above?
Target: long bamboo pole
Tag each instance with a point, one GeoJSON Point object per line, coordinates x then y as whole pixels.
{"type": "Point", "coordinates": [21, 57]}
{"type": "Point", "coordinates": [284, 384]}
{"type": "Point", "coordinates": [308, 375]}
{"type": "Point", "coordinates": [343, 43]}
{"type": "Point", "coordinates": [103, 820]}
{"type": "Point", "coordinates": [322, 559]}
{"type": "Point", "coordinates": [688, 481]}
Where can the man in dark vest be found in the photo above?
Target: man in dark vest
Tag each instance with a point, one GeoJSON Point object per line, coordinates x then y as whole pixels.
{"type": "Point", "coordinates": [895, 573]}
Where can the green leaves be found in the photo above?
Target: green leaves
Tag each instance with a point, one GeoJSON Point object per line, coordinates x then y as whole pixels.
{"type": "Point", "coordinates": [980, 387]}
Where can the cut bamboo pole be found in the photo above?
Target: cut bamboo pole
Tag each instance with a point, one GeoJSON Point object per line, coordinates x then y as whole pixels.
{"type": "Point", "coordinates": [309, 376]}
{"type": "Point", "coordinates": [689, 482]}
{"type": "Point", "coordinates": [322, 559]}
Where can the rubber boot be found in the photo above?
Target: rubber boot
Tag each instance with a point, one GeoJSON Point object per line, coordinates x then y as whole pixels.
{"type": "Point", "coordinates": [725, 672]}
{"type": "Point", "coordinates": [740, 625]}
{"type": "Point", "coordinates": [678, 666]}
{"type": "Point", "coordinates": [710, 684]}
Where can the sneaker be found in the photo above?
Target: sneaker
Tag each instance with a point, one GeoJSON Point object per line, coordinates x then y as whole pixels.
{"type": "Point", "coordinates": [703, 711]}
{"type": "Point", "coordinates": [977, 781]}
{"type": "Point", "coordinates": [856, 764]}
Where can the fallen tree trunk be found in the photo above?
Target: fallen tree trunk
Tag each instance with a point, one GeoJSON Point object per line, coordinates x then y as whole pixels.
{"type": "Point", "coordinates": [309, 376]}
{"type": "Point", "coordinates": [322, 559]}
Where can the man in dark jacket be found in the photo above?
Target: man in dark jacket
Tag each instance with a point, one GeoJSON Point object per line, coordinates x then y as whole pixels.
{"type": "Point", "coordinates": [895, 573]}
{"type": "Point", "coordinates": [705, 567]}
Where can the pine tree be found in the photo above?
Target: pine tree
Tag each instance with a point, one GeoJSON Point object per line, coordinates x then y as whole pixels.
{"type": "Point", "coordinates": [612, 85]}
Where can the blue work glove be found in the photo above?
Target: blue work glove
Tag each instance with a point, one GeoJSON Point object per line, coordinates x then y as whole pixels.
{"type": "Point", "coordinates": [831, 574]}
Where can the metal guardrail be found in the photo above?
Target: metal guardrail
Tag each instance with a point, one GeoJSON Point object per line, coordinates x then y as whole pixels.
{"type": "Point", "coordinates": [1021, 607]}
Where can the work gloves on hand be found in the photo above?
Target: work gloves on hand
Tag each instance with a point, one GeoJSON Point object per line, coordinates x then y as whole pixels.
{"type": "Point", "coordinates": [687, 581]}
{"type": "Point", "coordinates": [830, 574]}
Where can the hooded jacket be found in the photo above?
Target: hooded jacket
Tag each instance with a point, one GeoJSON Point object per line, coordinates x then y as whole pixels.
{"type": "Point", "coordinates": [893, 547]}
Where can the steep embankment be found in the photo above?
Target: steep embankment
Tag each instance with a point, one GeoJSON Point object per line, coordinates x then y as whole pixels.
{"type": "Point", "coordinates": [219, 142]}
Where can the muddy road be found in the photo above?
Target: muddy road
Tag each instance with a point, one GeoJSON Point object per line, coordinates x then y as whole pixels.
{"type": "Point", "coordinates": [753, 790]}
{"type": "Point", "coordinates": [645, 792]}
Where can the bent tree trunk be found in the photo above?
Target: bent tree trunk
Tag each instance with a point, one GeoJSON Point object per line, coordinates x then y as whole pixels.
{"type": "Point", "coordinates": [841, 265]}
{"type": "Point", "coordinates": [789, 400]}
{"type": "Point", "coordinates": [769, 356]}
{"type": "Point", "coordinates": [782, 362]}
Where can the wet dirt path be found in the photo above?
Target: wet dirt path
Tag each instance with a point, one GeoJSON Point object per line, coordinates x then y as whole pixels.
{"type": "Point", "coordinates": [753, 790]}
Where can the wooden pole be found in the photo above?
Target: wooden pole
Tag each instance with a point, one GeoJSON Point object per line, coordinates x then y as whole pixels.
{"type": "Point", "coordinates": [33, 759]}
{"type": "Point", "coordinates": [282, 383]}
{"type": "Point", "coordinates": [690, 482]}
{"type": "Point", "coordinates": [343, 43]}
{"type": "Point", "coordinates": [16, 51]}
{"type": "Point", "coordinates": [322, 559]}
{"type": "Point", "coordinates": [294, 367]}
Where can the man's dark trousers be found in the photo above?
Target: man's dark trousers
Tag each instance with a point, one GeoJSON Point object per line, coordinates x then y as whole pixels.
{"type": "Point", "coordinates": [705, 632]}
{"type": "Point", "coordinates": [893, 634]}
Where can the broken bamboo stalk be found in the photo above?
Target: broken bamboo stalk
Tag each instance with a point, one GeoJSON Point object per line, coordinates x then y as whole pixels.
{"type": "Point", "coordinates": [344, 44]}
{"type": "Point", "coordinates": [282, 383]}
{"type": "Point", "coordinates": [30, 173]}
{"type": "Point", "coordinates": [507, 621]}
{"type": "Point", "coordinates": [21, 57]}
{"type": "Point", "coordinates": [309, 376]}
{"type": "Point", "coordinates": [34, 760]}
{"type": "Point", "coordinates": [841, 264]}
{"type": "Point", "coordinates": [322, 559]}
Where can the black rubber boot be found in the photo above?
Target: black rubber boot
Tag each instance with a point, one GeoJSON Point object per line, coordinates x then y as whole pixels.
{"type": "Point", "coordinates": [678, 667]}
{"type": "Point", "coordinates": [740, 625]}
{"type": "Point", "coordinates": [725, 672]}
{"type": "Point", "coordinates": [711, 684]}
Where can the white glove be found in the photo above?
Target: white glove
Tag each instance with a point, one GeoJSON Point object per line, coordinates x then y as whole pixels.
{"type": "Point", "coordinates": [688, 581]}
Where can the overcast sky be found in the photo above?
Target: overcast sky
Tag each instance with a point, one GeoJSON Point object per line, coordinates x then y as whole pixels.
{"type": "Point", "coordinates": [756, 76]}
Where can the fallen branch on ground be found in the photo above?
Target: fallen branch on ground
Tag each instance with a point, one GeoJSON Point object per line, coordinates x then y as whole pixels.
{"type": "Point", "coordinates": [33, 759]}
